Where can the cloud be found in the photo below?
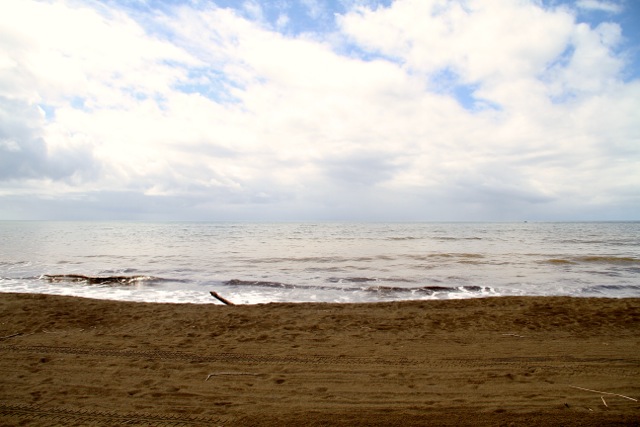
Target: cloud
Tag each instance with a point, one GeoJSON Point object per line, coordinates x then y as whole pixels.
{"type": "Point", "coordinates": [484, 42]}
{"type": "Point", "coordinates": [603, 6]}
{"type": "Point", "coordinates": [25, 154]}
{"type": "Point", "coordinates": [409, 110]}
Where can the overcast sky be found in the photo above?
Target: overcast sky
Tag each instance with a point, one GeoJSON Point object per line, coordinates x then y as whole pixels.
{"type": "Point", "coordinates": [320, 110]}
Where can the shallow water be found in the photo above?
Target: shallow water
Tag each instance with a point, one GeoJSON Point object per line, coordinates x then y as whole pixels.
{"type": "Point", "coordinates": [333, 262]}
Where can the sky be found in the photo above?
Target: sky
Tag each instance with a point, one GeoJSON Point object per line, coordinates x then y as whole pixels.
{"type": "Point", "coordinates": [309, 110]}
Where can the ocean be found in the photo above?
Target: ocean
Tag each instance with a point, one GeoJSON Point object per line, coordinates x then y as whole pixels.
{"type": "Point", "coordinates": [251, 263]}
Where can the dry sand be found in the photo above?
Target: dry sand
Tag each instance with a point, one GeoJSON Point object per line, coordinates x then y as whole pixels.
{"type": "Point", "coordinates": [494, 361]}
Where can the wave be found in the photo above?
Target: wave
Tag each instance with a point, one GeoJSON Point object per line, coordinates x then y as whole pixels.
{"type": "Point", "coordinates": [351, 279]}
{"type": "Point", "coordinates": [585, 241]}
{"type": "Point", "coordinates": [465, 257]}
{"type": "Point", "coordinates": [321, 260]}
{"type": "Point", "coordinates": [318, 260]}
{"type": "Point", "coordinates": [424, 290]}
{"type": "Point", "coordinates": [608, 242]}
{"type": "Point", "coordinates": [99, 280]}
{"type": "Point", "coordinates": [595, 259]}
{"type": "Point", "coordinates": [457, 238]}
{"type": "Point", "coordinates": [611, 289]}
{"type": "Point", "coordinates": [365, 280]}
{"type": "Point", "coordinates": [14, 263]}
{"type": "Point", "coordinates": [559, 261]}
{"type": "Point", "coordinates": [609, 259]}
{"type": "Point", "coordinates": [258, 283]}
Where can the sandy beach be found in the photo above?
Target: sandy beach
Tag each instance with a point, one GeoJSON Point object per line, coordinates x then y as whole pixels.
{"type": "Point", "coordinates": [494, 361]}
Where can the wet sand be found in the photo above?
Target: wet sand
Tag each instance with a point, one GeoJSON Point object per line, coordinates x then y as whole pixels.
{"type": "Point", "coordinates": [494, 361]}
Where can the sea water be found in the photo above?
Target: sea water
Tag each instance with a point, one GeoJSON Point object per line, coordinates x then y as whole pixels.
{"type": "Point", "coordinates": [250, 263]}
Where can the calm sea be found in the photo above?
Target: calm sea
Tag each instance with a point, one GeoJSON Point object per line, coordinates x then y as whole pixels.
{"type": "Point", "coordinates": [330, 262]}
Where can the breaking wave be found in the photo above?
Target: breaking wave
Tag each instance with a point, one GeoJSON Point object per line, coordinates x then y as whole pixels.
{"type": "Point", "coordinates": [427, 290]}
{"type": "Point", "coordinates": [258, 284]}
{"type": "Point", "coordinates": [99, 280]}
{"type": "Point", "coordinates": [612, 289]}
{"type": "Point", "coordinates": [422, 290]}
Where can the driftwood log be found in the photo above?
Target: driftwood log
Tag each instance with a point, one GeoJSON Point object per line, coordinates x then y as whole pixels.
{"type": "Point", "coordinates": [221, 299]}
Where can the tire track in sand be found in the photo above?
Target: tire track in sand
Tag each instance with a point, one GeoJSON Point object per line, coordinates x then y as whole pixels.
{"type": "Point", "coordinates": [218, 357]}
{"type": "Point", "coordinates": [66, 416]}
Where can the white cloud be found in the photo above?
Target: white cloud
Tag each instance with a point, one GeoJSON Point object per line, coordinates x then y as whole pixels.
{"type": "Point", "coordinates": [209, 108]}
{"type": "Point", "coordinates": [480, 41]}
{"type": "Point", "coordinates": [74, 51]}
{"type": "Point", "coordinates": [605, 6]}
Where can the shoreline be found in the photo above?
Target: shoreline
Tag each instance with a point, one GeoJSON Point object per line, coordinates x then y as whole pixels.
{"type": "Point", "coordinates": [209, 299]}
{"type": "Point", "coordinates": [477, 361]}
